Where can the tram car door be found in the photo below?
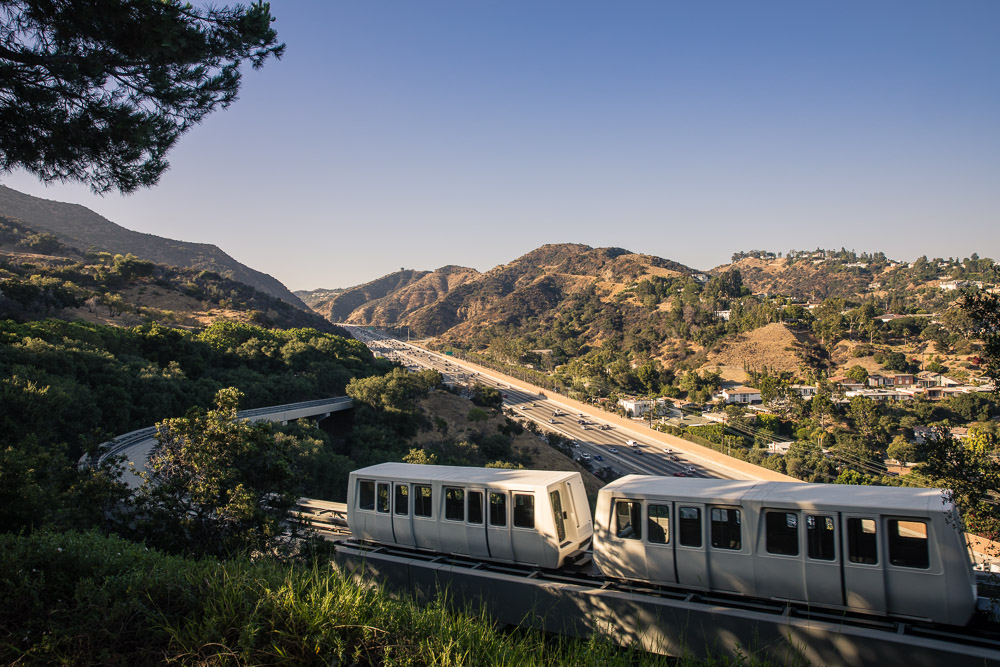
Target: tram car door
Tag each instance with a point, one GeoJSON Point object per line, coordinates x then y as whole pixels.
{"type": "Point", "coordinates": [689, 553]}
{"type": "Point", "coordinates": [402, 514]}
{"type": "Point", "coordinates": [864, 574]}
{"type": "Point", "coordinates": [498, 525]}
{"type": "Point", "coordinates": [475, 527]}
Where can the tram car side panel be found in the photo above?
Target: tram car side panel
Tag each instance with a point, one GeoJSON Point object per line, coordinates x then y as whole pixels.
{"type": "Point", "coordinates": [868, 549]}
{"type": "Point", "coordinates": [521, 516]}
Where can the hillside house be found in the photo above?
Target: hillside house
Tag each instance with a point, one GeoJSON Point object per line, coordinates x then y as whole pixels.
{"type": "Point", "coordinates": [780, 448]}
{"type": "Point", "coordinates": [922, 434]}
{"type": "Point", "coordinates": [804, 391]}
{"type": "Point", "coordinates": [743, 395]}
{"type": "Point", "coordinates": [879, 395]}
{"type": "Point", "coordinates": [928, 379]}
{"type": "Point", "coordinates": [640, 407]}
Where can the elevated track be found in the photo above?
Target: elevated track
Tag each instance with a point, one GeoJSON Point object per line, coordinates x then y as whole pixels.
{"type": "Point", "coordinates": [580, 601]}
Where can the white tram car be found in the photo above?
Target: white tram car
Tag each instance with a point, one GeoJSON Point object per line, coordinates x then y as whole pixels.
{"type": "Point", "coordinates": [534, 517]}
{"type": "Point", "coordinates": [885, 551]}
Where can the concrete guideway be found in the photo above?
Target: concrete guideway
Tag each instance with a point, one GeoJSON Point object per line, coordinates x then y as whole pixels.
{"type": "Point", "coordinates": [662, 620]}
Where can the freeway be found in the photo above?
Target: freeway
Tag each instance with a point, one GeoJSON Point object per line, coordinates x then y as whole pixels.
{"type": "Point", "coordinates": [595, 439]}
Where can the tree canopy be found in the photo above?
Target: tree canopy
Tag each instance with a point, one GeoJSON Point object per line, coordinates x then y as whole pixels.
{"type": "Point", "coordinates": [100, 92]}
{"type": "Point", "coordinates": [219, 485]}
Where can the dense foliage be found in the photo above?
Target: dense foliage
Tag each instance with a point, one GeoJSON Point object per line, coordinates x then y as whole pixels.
{"type": "Point", "coordinates": [85, 599]}
{"type": "Point", "coordinates": [99, 92]}
{"type": "Point", "coordinates": [217, 485]}
{"type": "Point", "coordinates": [65, 387]}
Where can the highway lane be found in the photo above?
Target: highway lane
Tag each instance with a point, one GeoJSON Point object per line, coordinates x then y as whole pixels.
{"type": "Point", "coordinates": [593, 436]}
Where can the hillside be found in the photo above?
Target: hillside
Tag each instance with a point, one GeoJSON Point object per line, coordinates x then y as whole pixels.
{"type": "Point", "coordinates": [773, 346]}
{"type": "Point", "coordinates": [458, 301]}
{"type": "Point", "coordinates": [802, 278]}
{"type": "Point", "coordinates": [42, 278]}
{"type": "Point", "coordinates": [78, 226]}
{"type": "Point", "coordinates": [389, 299]}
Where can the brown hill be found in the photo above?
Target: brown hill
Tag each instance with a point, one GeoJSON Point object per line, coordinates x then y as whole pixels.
{"type": "Point", "coordinates": [40, 277]}
{"type": "Point", "coordinates": [773, 346]}
{"type": "Point", "coordinates": [390, 299]}
{"type": "Point", "coordinates": [79, 227]}
{"type": "Point", "coordinates": [459, 301]}
{"type": "Point", "coordinates": [802, 278]}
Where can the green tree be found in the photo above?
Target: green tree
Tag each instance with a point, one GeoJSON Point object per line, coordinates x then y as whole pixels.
{"type": "Point", "coordinates": [217, 485]}
{"type": "Point", "coordinates": [983, 309]}
{"type": "Point", "coordinates": [100, 92]}
{"type": "Point", "coordinates": [865, 415]}
{"type": "Point", "coordinates": [486, 396]}
{"type": "Point", "coordinates": [903, 450]}
{"type": "Point", "coordinates": [857, 373]}
{"type": "Point", "coordinates": [970, 471]}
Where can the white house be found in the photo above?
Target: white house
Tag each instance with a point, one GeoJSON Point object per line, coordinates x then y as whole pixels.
{"type": "Point", "coordinates": [741, 395]}
{"type": "Point", "coordinates": [805, 391]}
{"type": "Point", "coordinates": [640, 407]}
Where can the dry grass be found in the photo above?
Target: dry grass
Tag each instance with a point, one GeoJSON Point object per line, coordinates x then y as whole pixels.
{"type": "Point", "coordinates": [772, 346]}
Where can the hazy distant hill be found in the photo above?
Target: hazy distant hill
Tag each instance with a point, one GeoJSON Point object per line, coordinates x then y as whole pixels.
{"type": "Point", "coordinates": [80, 227]}
{"type": "Point", "coordinates": [41, 278]}
{"type": "Point", "coordinates": [459, 300]}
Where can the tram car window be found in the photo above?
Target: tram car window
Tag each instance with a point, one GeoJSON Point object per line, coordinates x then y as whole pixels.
{"type": "Point", "coordinates": [820, 536]}
{"type": "Point", "coordinates": [423, 500]}
{"type": "Point", "coordinates": [498, 509]}
{"type": "Point", "coordinates": [658, 524]}
{"type": "Point", "coordinates": [402, 500]}
{"type": "Point", "coordinates": [690, 526]}
{"type": "Point", "coordinates": [862, 541]}
{"type": "Point", "coordinates": [782, 533]}
{"type": "Point", "coordinates": [524, 510]}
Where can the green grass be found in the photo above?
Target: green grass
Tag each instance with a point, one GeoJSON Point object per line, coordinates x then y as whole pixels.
{"type": "Point", "coordinates": [81, 598]}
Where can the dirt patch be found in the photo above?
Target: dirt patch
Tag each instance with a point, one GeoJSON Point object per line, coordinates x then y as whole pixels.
{"type": "Point", "coordinates": [773, 346]}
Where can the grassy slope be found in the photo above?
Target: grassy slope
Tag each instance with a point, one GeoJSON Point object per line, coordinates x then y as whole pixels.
{"type": "Point", "coordinates": [85, 599]}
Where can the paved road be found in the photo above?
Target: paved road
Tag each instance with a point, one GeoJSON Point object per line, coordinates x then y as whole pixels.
{"type": "Point", "coordinates": [594, 436]}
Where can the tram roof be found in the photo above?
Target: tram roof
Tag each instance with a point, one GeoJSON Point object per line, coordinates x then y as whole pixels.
{"type": "Point", "coordinates": [791, 494]}
{"type": "Point", "coordinates": [465, 474]}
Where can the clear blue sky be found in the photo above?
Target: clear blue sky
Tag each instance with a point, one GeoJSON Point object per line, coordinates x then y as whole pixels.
{"type": "Point", "coordinates": [418, 134]}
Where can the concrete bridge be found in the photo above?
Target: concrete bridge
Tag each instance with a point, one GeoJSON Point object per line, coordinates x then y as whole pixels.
{"type": "Point", "coordinates": [136, 445]}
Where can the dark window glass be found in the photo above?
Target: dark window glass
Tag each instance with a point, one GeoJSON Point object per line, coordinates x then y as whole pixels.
{"type": "Point", "coordinates": [628, 519]}
{"type": "Point", "coordinates": [498, 509]}
{"type": "Point", "coordinates": [524, 510]}
{"type": "Point", "coordinates": [862, 543]}
{"type": "Point", "coordinates": [557, 514]}
{"type": "Point", "coordinates": [454, 503]}
{"type": "Point", "coordinates": [402, 500]}
{"type": "Point", "coordinates": [908, 544]}
{"type": "Point", "coordinates": [820, 536]}
{"type": "Point", "coordinates": [658, 524]}
{"type": "Point", "coordinates": [689, 527]}
{"type": "Point", "coordinates": [366, 495]}
{"type": "Point", "coordinates": [475, 506]}
{"type": "Point", "coordinates": [422, 500]}
{"type": "Point", "coordinates": [782, 533]}
{"type": "Point", "coordinates": [726, 528]}
{"type": "Point", "coordinates": [383, 498]}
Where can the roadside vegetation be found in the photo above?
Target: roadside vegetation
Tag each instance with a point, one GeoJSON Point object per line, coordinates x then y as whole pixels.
{"type": "Point", "coordinates": [83, 598]}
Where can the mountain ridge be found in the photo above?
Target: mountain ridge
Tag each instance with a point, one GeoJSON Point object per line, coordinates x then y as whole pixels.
{"type": "Point", "coordinates": [78, 226]}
